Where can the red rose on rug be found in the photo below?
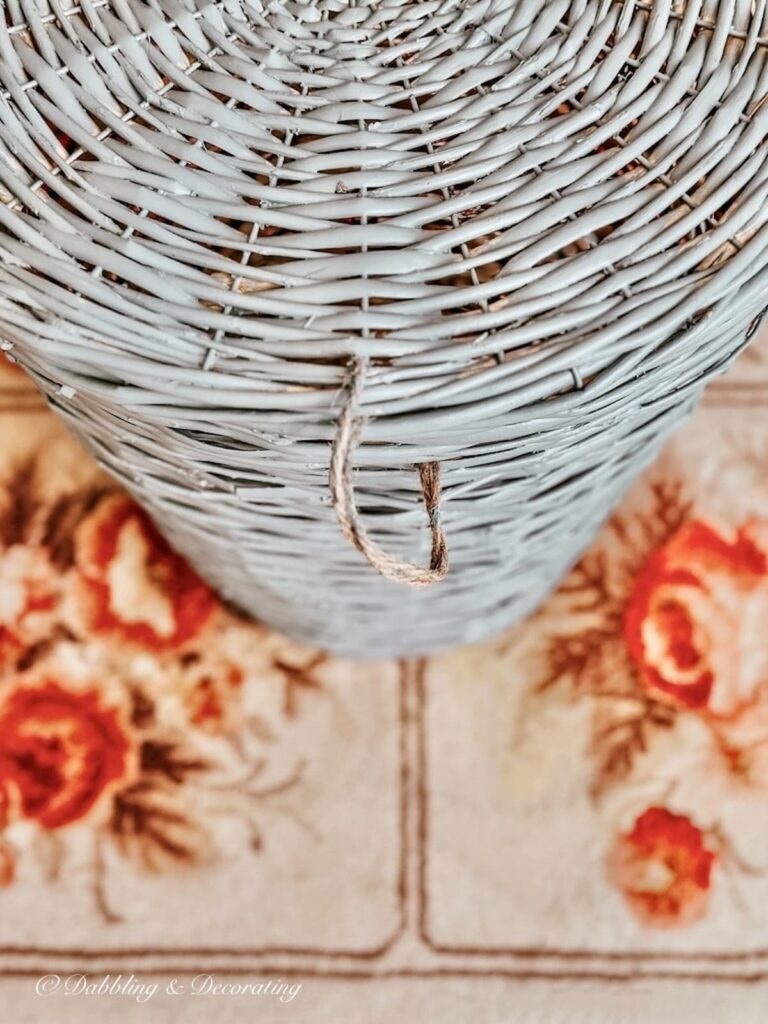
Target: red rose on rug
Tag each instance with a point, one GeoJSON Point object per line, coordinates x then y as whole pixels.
{"type": "Point", "coordinates": [28, 598]}
{"type": "Point", "coordinates": [663, 868]}
{"type": "Point", "coordinates": [61, 750]}
{"type": "Point", "coordinates": [695, 621]}
{"type": "Point", "coordinates": [131, 583]}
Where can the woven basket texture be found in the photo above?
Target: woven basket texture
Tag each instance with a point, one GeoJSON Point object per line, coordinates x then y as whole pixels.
{"type": "Point", "coordinates": [417, 284]}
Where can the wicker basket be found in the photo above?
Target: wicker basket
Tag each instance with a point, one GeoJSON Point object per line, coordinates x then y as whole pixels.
{"type": "Point", "coordinates": [418, 283]}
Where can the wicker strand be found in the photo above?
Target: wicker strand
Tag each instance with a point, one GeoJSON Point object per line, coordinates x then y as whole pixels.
{"type": "Point", "coordinates": [343, 498]}
{"type": "Point", "coordinates": [544, 223]}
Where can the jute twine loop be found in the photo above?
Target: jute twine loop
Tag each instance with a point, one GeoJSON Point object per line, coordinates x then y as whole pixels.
{"type": "Point", "coordinates": [343, 498]}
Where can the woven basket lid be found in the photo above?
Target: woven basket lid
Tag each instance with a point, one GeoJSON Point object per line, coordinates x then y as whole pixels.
{"type": "Point", "coordinates": [517, 236]}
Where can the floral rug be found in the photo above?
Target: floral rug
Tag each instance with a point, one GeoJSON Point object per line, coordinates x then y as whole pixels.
{"type": "Point", "coordinates": [199, 818]}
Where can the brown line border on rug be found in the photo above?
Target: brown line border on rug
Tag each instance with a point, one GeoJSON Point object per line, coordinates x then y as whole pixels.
{"type": "Point", "coordinates": [532, 953]}
{"type": "Point", "coordinates": [376, 952]}
{"type": "Point", "coordinates": [315, 973]}
{"type": "Point", "coordinates": [518, 964]}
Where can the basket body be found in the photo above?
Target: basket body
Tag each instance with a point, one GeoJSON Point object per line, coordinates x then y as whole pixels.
{"type": "Point", "coordinates": [539, 227]}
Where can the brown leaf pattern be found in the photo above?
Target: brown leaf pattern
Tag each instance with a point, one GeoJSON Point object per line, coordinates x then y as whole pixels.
{"type": "Point", "coordinates": [132, 729]}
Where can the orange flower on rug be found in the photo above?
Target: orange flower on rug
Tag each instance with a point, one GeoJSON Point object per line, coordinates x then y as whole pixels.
{"type": "Point", "coordinates": [130, 583]}
{"type": "Point", "coordinates": [663, 867]}
{"type": "Point", "coordinates": [661, 627]}
{"type": "Point", "coordinates": [62, 751]}
{"type": "Point", "coordinates": [121, 685]}
{"type": "Point", "coordinates": [695, 617]}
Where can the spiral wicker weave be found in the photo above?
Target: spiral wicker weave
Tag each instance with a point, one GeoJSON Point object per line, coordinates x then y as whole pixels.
{"type": "Point", "coordinates": [471, 259]}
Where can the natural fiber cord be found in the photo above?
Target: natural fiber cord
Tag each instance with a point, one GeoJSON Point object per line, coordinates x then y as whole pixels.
{"type": "Point", "coordinates": [297, 271]}
{"type": "Point", "coordinates": [342, 495]}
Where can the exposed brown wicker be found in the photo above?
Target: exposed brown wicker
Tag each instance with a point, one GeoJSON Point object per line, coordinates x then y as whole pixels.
{"type": "Point", "coordinates": [494, 249]}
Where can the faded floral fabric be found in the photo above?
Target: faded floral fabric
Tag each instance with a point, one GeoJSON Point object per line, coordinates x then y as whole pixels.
{"type": "Point", "coordinates": [582, 801]}
{"type": "Point", "coordinates": [121, 695]}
